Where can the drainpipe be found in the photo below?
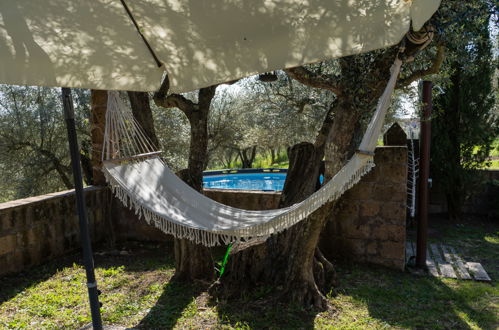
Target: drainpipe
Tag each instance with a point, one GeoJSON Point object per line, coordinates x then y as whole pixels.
{"type": "Point", "coordinates": [424, 175]}
{"type": "Point", "coordinates": [74, 151]}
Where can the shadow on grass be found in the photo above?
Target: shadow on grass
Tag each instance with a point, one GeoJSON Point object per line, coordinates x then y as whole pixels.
{"type": "Point", "coordinates": [405, 300]}
{"type": "Point", "coordinates": [173, 304]}
{"type": "Point", "coordinates": [138, 257]}
{"type": "Point", "coordinates": [142, 257]}
{"type": "Point", "coordinates": [262, 309]}
{"type": "Point", "coordinates": [16, 283]}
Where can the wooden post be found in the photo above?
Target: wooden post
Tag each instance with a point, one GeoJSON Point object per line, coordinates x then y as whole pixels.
{"type": "Point", "coordinates": [424, 174]}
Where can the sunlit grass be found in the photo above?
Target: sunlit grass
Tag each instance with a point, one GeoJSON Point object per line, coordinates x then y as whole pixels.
{"type": "Point", "coordinates": [137, 292]}
{"type": "Point", "coordinates": [261, 161]}
{"type": "Point", "coordinates": [494, 164]}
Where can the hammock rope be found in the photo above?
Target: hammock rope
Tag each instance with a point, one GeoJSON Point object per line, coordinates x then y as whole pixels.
{"type": "Point", "coordinates": [148, 186]}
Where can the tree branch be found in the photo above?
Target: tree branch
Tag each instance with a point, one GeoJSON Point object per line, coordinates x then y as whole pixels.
{"type": "Point", "coordinates": [159, 97]}
{"type": "Point", "coordinates": [312, 79]}
{"type": "Point", "coordinates": [162, 99]}
{"type": "Point", "coordinates": [434, 68]}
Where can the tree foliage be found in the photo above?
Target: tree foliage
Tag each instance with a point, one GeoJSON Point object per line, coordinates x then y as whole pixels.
{"type": "Point", "coordinates": [464, 124]}
{"type": "Point", "coordinates": [34, 157]}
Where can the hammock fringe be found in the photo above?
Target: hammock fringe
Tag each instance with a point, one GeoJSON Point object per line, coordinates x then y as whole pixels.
{"type": "Point", "coordinates": [331, 192]}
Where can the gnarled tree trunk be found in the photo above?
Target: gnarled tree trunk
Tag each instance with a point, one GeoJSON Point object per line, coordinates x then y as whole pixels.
{"type": "Point", "coordinates": [290, 261]}
{"type": "Point", "coordinates": [247, 156]}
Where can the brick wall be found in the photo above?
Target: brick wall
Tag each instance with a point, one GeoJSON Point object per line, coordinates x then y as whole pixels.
{"type": "Point", "coordinates": [37, 229]}
{"type": "Point", "coordinates": [369, 222]}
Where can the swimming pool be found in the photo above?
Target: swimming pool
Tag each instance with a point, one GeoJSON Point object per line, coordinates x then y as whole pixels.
{"type": "Point", "coordinates": [251, 179]}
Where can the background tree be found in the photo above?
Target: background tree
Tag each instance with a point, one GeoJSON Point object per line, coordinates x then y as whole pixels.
{"type": "Point", "coordinates": [33, 145]}
{"type": "Point", "coordinates": [465, 125]}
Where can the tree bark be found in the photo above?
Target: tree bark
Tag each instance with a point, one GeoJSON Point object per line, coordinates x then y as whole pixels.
{"type": "Point", "coordinates": [141, 109]}
{"type": "Point", "coordinates": [285, 261]}
{"type": "Point", "coordinates": [98, 107]}
{"type": "Point", "coordinates": [288, 260]}
{"type": "Point", "coordinates": [272, 156]}
{"type": "Point", "coordinates": [247, 159]}
{"type": "Point", "coordinates": [454, 186]}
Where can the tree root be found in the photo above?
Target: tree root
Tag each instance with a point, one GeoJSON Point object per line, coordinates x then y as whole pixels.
{"type": "Point", "coordinates": [330, 278]}
{"type": "Point", "coordinates": [306, 294]}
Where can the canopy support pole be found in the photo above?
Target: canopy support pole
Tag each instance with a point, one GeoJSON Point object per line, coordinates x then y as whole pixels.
{"type": "Point", "coordinates": [93, 293]}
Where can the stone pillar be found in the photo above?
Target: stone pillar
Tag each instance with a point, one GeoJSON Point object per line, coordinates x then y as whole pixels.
{"type": "Point", "coordinates": [98, 106]}
{"type": "Point", "coordinates": [369, 221]}
{"type": "Point", "coordinates": [395, 136]}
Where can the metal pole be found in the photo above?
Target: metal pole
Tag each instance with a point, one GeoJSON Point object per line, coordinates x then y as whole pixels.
{"type": "Point", "coordinates": [424, 174]}
{"type": "Point", "coordinates": [93, 293]}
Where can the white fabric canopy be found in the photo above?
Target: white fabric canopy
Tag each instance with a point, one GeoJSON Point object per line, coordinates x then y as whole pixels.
{"type": "Point", "coordinates": [80, 43]}
{"type": "Point", "coordinates": [94, 44]}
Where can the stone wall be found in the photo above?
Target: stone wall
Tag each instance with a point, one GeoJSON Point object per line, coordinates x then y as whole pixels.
{"type": "Point", "coordinates": [369, 222]}
{"type": "Point", "coordinates": [128, 226]}
{"type": "Point", "coordinates": [245, 199]}
{"type": "Point", "coordinates": [484, 201]}
{"type": "Point", "coordinates": [37, 229]}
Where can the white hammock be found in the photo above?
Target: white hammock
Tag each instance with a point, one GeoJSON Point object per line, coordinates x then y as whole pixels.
{"type": "Point", "coordinates": [148, 186]}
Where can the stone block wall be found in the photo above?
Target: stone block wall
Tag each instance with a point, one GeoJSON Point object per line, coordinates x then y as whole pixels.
{"type": "Point", "coordinates": [37, 229]}
{"type": "Point", "coordinates": [245, 199]}
{"type": "Point", "coordinates": [128, 226]}
{"type": "Point", "coordinates": [369, 222]}
{"type": "Point", "coordinates": [483, 200]}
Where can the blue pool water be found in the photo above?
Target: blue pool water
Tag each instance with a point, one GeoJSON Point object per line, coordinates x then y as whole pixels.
{"type": "Point", "coordinates": [247, 181]}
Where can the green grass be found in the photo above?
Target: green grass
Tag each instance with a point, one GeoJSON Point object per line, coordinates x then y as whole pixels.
{"type": "Point", "coordinates": [137, 293]}
{"type": "Point", "coordinates": [494, 164]}
{"type": "Point", "coordinates": [261, 161]}
{"type": "Point", "coordinates": [495, 148]}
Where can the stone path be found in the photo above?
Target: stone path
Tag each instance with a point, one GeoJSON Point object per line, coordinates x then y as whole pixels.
{"type": "Point", "coordinates": [443, 261]}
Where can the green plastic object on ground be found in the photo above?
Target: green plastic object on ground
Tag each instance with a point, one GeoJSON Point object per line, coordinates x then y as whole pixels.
{"type": "Point", "coordinates": [224, 262]}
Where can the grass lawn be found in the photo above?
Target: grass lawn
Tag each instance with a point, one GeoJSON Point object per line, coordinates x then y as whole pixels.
{"type": "Point", "coordinates": [494, 164]}
{"type": "Point", "coordinates": [137, 293]}
{"type": "Point", "coordinates": [261, 161]}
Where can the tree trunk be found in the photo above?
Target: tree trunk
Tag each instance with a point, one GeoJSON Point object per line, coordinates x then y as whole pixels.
{"type": "Point", "coordinates": [288, 260]}
{"type": "Point", "coordinates": [98, 106]}
{"type": "Point", "coordinates": [272, 156]}
{"type": "Point", "coordinates": [198, 148]}
{"type": "Point", "coordinates": [227, 158]}
{"type": "Point", "coordinates": [141, 109]}
{"type": "Point", "coordinates": [194, 261]}
{"type": "Point", "coordinates": [453, 185]}
{"type": "Point", "coordinates": [247, 160]}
